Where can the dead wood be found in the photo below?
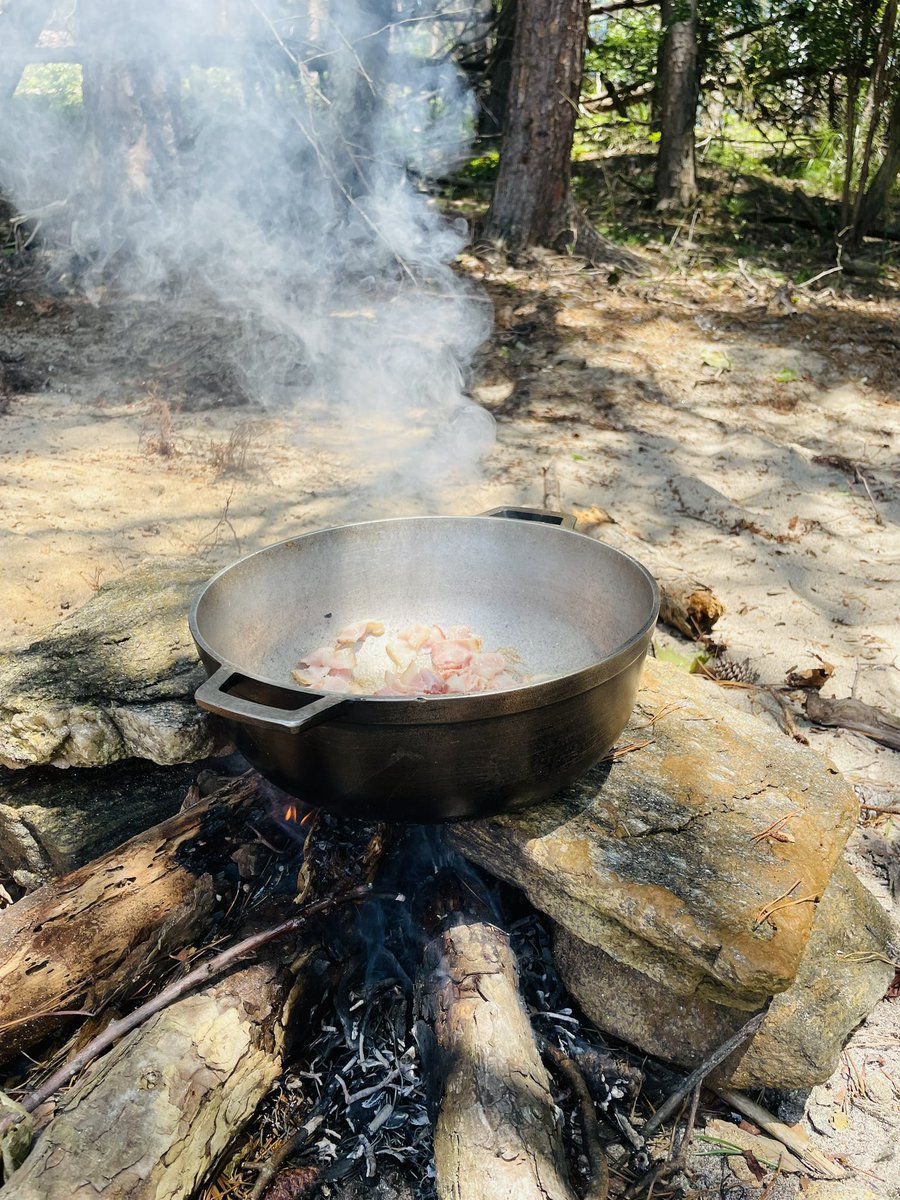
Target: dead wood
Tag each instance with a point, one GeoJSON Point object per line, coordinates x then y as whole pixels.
{"type": "Point", "coordinates": [872, 722]}
{"type": "Point", "coordinates": [597, 1185]}
{"type": "Point", "coordinates": [82, 938]}
{"type": "Point", "coordinates": [150, 1118]}
{"type": "Point", "coordinates": [748, 1030]}
{"type": "Point", "coordinates": [684, 602]}
{"type": "Point", "coordinates": [497, 1134]}
{"type": "Point", "coordinates": [795, 1138]}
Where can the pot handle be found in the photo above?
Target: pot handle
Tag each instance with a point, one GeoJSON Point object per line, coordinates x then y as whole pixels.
{"type": "Point", "coordinates": [546, 516]}
{"type": "Point", "coordinates": [212, 696]}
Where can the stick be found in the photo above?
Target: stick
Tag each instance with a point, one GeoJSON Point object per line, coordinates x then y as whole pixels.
{"type": "Point", "coordinates": [212, 966]}
{"type": "Point", "coordinates": [597, 1184]}
{"type": "Point", "coordinates": [850, 714]}
{"type": "Point", "coordinates": [269, 1169]}
{"type": "Point", "coordinates": [795, 1140]}
{"type": "Point", "coordinates": [668, 1107]}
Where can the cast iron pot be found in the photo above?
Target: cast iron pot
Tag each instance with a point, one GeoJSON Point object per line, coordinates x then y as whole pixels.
{"type": "Point", "coordinates": [572, 607]}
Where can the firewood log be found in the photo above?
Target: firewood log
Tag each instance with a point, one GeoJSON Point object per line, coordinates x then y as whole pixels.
{"type": "Point", "coordinates": [79, 939]}
{"type": "Point", "coordinates": [151, 1118]}
{"type": "Point", "coordinates": [497, 1135]}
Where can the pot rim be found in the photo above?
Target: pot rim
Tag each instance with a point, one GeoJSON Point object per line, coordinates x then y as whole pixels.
{"type": "Point", "coordinates": [448, 708]}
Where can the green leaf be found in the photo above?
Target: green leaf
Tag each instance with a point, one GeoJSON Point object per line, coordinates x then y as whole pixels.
{"type": "Point", "coordinates": [717, 359]}
{"type": "Point", "coordinates": [654, 137]}
{"type": "Point", "coordinates": [578, 457]}
{"type": "Point", "coordinates": [787, 376]}
{"type": "Point", "coordinates": [670, 655]}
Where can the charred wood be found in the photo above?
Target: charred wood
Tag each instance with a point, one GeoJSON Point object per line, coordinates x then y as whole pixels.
{"type": "Point", "coordinates": [79, 940]}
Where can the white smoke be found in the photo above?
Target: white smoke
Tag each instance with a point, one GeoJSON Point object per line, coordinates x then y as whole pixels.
{"type": "Point", "coordinates": [271, 166]}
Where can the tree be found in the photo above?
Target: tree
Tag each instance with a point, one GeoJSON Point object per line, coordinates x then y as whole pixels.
{"type": "Point", "coordinates": [532, 202]}
{"type": "Point", "coordinates": [677, 96]}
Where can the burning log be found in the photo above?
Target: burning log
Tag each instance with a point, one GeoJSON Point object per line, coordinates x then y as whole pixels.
{"type": "Point", "coordinates": [497, 1135]}
{"type": "Point", "coordinates": [78, 940]}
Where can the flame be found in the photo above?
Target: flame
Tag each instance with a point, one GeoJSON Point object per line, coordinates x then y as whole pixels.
{"type": "Point", "coordinates": [290, 813]}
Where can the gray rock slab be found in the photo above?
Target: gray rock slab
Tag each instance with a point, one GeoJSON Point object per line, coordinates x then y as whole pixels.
{"type": "Point", "coordinates": [843, 974]}
{"type": "Point", "coordinates": [114, 681]}
{"type": "Point", "coordinates": [52, 822]}
{"type": "Point", "coordinates": [655, 857]}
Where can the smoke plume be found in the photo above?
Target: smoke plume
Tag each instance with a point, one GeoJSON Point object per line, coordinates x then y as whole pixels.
{"type": "Point", "coordinates": [268, 163]}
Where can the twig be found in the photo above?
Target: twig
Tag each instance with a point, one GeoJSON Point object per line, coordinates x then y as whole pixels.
{"type": "Point", "coordinates": [880, 808]}
{"type": "Point", "coordinates": [775, 828]}
{"type": "Point", "coordinates": [597, 1184]}
{"type": "Point", "coordinates": [798, 287]}
{"type": "Point", "coordinates": [796, 1141]}
{"type": "Point", "coordinates": [213, 966]}
{"type": "Point", "coordinates": [675, 1160]}
{"type": "Point", "coordinates": [696, 1077]}
{"type": "Point", "coordinates": [764, 911]}
{"type": "Point", "coordinates": [862, 479]}
{"type": "Point", "coordinates": [269, 1169]}
{"type": "Point", "coordinates": [619, 751]}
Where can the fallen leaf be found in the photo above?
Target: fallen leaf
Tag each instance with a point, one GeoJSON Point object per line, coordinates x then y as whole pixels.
{"type": "Point", "coordinates": [787, 376]}
{"type": "Point", "coordinates": [839, 1120]}
{"type": "Point", "coordinates": [717, 359]}
{"type": "Point", "coordinates": [811, 677]}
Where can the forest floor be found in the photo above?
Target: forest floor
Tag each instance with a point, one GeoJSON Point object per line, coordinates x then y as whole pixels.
{"type": "Point", "coordinates": [744, 426]}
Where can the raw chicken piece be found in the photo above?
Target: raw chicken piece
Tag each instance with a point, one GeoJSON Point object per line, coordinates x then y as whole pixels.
{"type": "Point", "coordinates": [416, 636]}
{"type": "Point", "coordinates": [412, 682]}
{"type": "Point", "coordinates": [334, 660]}
{"type": "Point", "coordinates": [465, 682]}
{"type": "Point", "coordinates": [435, 635]}
{"type": "Point", "coordinates": [427, 683]}
{"type": "Point", "coordinates": [309, 676]}
{"type": "Point", "coordinates": [336, 681]}
{"type": "Point", "coordinates": [400, 653]}
{"type": "Point", "coordinates": [488, 664]}
{"type": "Point", "coordinates": [359, 632]}
{"type": "Point", "coordinates": [450, 656]}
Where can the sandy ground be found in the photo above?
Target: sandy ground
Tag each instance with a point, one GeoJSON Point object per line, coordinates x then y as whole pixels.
{"type": "Point", "coordinates": [752, 440]}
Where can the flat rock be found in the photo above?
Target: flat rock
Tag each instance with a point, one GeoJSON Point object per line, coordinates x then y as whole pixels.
{"type": "Point", "coordinates": [54, 821]}
{"type": "Point", "coordinates": [843, 974]}
{"type": "Point", "coordinates": [654, 858]}
{"type": "Point", "coordinates": [114, 681]}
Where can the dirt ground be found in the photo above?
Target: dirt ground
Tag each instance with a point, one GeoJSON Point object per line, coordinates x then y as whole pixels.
{"type": "Point", "coordinates": [748, 431]}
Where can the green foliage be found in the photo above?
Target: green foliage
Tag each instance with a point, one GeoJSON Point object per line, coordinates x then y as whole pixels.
{"type": "Point", "coordinates": [51, 85]}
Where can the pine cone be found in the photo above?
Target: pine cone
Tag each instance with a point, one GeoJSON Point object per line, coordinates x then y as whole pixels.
{"type": "Point", "coordinates": [733, 671]}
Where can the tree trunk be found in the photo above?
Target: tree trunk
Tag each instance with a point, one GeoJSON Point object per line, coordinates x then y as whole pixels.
{"type": "Point", "coordinates": [497, 1135]}
{"type": "Point", "coordinates": [492, 115]}
{"type": "Point", "coordinates": [871, 207]}
{"type": "Point", "coordinates": [676, 178]}
{"type": "Point", "coordinates": [531, 196]}
{"type": "Point", "coordinates": [78, 940]}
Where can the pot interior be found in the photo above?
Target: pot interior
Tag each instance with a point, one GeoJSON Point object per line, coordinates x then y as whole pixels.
{"type": "Point", "coordinates": [562, 601]}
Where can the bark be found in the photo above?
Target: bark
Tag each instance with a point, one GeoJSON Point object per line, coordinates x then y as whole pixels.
{"type": "Point", "coordinates": [874, 723]}
{"type": "Point", "coordinates": [492, 115]}
{"type": "Point", "coordinates": [497, 1134]}
{"type": "Point", "coordinates": [21, 24]}
{"type": "Point", "coordinates": [152, 1117]}
{"type": "Point", "coordinates": [685, 603]}
{"type": "Point", "coordinates": [676, 179]}
{"type": "Point", "coordinates": [873, 203]}
{"type": "Point", "coordinates": [75, 942]}
{"type": "Point", "coordinates": [531, 193]}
